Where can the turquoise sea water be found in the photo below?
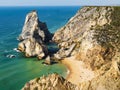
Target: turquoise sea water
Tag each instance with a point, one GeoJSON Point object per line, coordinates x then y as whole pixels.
{"type": "Point", "coordinates": [15, 72]}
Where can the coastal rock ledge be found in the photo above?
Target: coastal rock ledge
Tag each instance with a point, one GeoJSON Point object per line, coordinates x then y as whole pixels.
{"type": "Point", "coordinates": [51, 82]}
{"type": "Point", "coordinates": [33, 37]}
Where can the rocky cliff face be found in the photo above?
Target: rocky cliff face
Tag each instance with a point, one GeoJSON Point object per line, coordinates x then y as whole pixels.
{"type": "Point", "coordinates": [108, 78]}
{"type": "Point", "coordinates": [33, 37]}
{"type": "Point", "coordinates": [93, 36]}
{"type": "Point", "coordinates": [90, 29]}
{"type": "Point", "coordinates": [51, 82]}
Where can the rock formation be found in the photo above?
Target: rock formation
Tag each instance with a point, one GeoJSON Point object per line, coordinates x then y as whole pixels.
{"type": "Point", "coordinates": [51, 82]}
{"type": "Point", "coordinates": [33, 37]}
{"type": "Point", "coordinates": [108, 78]}
{"type": "Point", "coordinates": [93, 36]}
{"type": "Point", "coordinates": [47, 61]}
{"type": "Point", "coordinates": [90, 28]}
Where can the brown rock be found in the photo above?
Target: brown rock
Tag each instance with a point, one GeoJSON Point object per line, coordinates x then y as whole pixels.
{"type": "Point", "coordinates": [51, 82]}
{"type": "Point", "coordinates": [48, 60]}
{"type": "Point", "coordinates": [93, 37]}
{"type": "Point", "coordinates": [96, 33]}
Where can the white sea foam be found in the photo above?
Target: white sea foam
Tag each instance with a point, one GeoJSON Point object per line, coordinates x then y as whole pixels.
{"type": "Point", "coordinates": [15, 49]}
{"type": "Point", "coordinates": [10, 56]}
{"type": "Point", "coordinates": [6, 51]}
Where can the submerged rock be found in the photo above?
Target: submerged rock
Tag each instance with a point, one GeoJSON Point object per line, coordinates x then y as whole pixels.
{"type": "Point", "coordinates": [33, 37]}
{"type": "Point", "coordinates": [51, 82]}
{"type": "Point", "coordinates": [16, 49]}
{"type": "Point", "coordinates": [10, 56]}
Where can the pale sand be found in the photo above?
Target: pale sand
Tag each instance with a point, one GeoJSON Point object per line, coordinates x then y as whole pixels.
{"type": "Point", "coordinates": [77, 71]}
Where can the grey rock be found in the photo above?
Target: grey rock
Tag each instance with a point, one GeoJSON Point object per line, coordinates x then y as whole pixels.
{"type": "Point", "coordinates": [34, 28]}
{"type": "Point", "coordinates": [64, 52]}
{"type": "Point", "coordinates": [33, 37]}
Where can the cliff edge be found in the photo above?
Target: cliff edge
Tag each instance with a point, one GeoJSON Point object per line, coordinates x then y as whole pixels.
{"type": "Point", "coordinates": [92, 37]}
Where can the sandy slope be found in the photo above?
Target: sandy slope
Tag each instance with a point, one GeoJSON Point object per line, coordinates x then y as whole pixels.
{"type": "Point", "coordinates": [77, 71]}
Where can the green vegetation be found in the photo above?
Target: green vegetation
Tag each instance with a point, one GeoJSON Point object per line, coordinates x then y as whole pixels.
{"type": "Point", "coordinates": [116, 16]}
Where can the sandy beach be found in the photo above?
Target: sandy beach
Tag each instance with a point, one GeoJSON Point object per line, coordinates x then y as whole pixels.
{"type": "Point", "coordinates": [77, 71]}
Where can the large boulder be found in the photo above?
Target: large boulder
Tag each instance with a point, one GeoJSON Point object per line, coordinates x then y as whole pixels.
{"type": "Point", "coordinates": [51, 82]}
{"type": "Point", "coordinates": [33, 37]}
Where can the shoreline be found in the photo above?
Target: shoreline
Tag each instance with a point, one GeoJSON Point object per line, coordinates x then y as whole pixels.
{"type": "Point", "coordinates": [77, 71]}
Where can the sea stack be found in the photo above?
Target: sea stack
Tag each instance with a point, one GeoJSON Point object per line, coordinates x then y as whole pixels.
{"type": "Point", "coordinates": [33, 37]}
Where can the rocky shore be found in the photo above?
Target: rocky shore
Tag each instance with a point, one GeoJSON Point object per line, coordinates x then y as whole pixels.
{"type": "Point", "coordinates": [89, 45]}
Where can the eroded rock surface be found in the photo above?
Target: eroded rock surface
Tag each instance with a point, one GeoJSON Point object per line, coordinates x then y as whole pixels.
{"type": "Point", "coordinates": [95, 32]}
{"type": "Point", "coordinates": [33, 37]}
{"type": "Point", "coordinates": [48, 60]}
{"type": "Point", "coordinates": [90, 29]}
{"type": "Point", "coordinates": [93, 37]}
{"type": "Point", "coordinates": [108, 78]}
{"type": "Point", "coordinates": [51, 82]}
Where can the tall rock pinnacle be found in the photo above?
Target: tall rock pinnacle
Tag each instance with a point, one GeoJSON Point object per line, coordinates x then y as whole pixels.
{"type": "Point", "coordinates": [33, 37]}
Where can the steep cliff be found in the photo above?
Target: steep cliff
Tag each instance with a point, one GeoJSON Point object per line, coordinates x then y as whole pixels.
{"type": "Point", "coordinates": [108, 78]}
{"type": "Point", "coordinates": [93, 37]}
{"type": "Point", "coordinates": [92, 28]}
{"type": "Point", "coordinates": [33, 37]}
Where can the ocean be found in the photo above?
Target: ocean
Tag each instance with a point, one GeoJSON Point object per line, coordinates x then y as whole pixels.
{"type": "Point", "coordinates": [15, 72]}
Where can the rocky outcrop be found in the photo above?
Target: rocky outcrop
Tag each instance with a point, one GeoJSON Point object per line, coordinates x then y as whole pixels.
{"type": "Point", "coordinates": [108, 79]}
{"type": "Point", "coordinates": [34, 28]}
{"type": "Point", "coordinates": [48, 61]}
{"type": "Point", "coordinates": [33, 37]}
{"type": "Point", "coordinates": [95, 31]}
{"type": "Point", "coordinates": [51, 82]}
{"type": "Point", "coordinates": [93, 36]}
{"type": "Point", "coordinates": [64, 52]}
